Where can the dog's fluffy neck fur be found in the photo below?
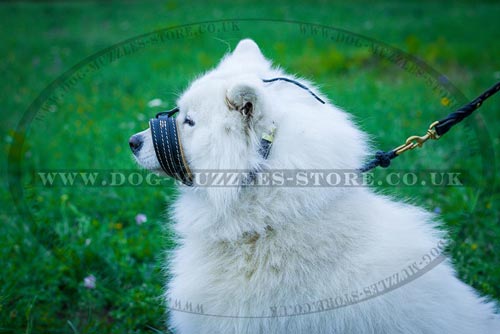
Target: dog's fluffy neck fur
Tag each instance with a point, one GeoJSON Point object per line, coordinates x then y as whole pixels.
{"type": "Point", "coordinates": [242, 251]}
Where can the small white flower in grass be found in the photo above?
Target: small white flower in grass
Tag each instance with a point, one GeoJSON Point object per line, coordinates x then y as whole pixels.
{"type": "Point", "coordinates": [89, 282]}
{"type": "Point", "coordinates": [141, 218]}
{"type": "Point", "coordinates": [155, 103]}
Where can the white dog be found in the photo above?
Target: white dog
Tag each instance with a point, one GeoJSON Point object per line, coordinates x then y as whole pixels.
{"type": "Point", "coordinates": [279, 259]}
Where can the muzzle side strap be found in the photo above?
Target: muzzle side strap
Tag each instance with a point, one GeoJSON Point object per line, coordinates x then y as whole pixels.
{"type": "Point", "coordinates": [159, 146]}
{"type": "Point", "coordinates": [168, 147]}
{"type": "Point", "coordinates": [177, 154]}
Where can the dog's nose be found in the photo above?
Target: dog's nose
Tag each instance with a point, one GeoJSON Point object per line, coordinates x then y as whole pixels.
{"type": "Point", "coordinates": [135, 143]}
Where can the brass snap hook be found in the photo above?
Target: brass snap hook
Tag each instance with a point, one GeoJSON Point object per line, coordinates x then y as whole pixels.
{"type": "Point", "coordinates": [417, 141]}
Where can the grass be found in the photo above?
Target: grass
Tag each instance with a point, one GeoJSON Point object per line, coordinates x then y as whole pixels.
{"type": "Point", "coordinates": [66, 234]}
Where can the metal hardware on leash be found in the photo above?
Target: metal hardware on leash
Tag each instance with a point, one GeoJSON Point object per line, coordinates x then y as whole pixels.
{"type": "Point", "coordinates": [435, 131]}
{"type": "Point", "coordinates": [417, 141]}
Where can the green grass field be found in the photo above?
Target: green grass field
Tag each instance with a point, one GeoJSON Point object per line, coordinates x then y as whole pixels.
{"type": "Point", "coordinates": [52, 238]}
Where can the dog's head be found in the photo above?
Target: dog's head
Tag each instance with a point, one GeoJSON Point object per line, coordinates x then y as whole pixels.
{"type": "Point", "coordinates": [223, 114]}
{"type": "Point", "coordinates": [220, 116]}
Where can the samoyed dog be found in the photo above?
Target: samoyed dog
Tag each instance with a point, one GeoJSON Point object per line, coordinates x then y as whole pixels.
{"type": "Point", "coordinates": [285, 259]}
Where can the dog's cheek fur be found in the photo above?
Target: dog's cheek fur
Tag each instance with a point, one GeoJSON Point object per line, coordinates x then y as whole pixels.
{"type": "Point", "coordinates": [229, 116]}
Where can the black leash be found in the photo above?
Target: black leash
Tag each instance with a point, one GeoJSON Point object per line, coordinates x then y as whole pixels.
{"type": "Point", "coordinates": [435, 131]}
{"type": "Point", "coordinates": [170, 153]}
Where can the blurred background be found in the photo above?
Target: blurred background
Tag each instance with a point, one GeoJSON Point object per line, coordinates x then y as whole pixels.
{"type": "Point", "coordinates": [90, 259]}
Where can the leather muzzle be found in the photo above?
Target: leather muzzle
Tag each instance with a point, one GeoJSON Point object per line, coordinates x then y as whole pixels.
{"type": "Point", "coordinates": [168, 146]}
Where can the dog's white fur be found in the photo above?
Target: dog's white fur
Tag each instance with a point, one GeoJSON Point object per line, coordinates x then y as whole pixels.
{"type": "Point", "coordinates": [244, 250]}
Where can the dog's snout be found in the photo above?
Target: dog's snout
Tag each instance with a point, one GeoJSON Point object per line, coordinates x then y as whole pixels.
{"type": "Point", "coordinates": [135, 143]}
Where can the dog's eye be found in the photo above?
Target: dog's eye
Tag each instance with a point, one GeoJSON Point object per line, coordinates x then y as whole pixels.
{"type": "Point", "coordinates": [188, 121]}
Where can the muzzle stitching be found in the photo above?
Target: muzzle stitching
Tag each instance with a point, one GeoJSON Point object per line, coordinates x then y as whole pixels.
{"type": "Point", "coordinates": [170, 164]}
{"type": "Point", "coordinates": [155, 143]}
{"type": "Point", "coordinates": [176, 143]}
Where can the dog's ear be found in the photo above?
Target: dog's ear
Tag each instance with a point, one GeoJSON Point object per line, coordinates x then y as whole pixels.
{"type": "Point", "coordinates": [249, 48]}
{"type": "Point", "coordinates": [242, 98]}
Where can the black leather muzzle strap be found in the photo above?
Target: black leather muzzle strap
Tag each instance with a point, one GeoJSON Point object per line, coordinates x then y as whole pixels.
{"type": "Point", "coordinates": [168, 146]}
